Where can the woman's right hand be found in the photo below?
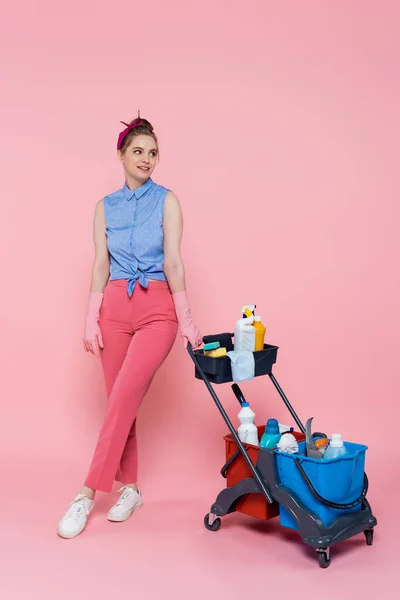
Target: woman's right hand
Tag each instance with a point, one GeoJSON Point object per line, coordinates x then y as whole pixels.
{"type": "Point", "coordinates": [92, 338]}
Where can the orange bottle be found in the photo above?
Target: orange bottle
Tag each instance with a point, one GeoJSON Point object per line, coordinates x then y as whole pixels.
{"type": "Point", "coordinates": [260, 333]}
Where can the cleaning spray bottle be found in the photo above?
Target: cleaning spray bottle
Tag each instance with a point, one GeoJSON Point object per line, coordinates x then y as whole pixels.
{"type": "Point", "coordinates": [245, 334]}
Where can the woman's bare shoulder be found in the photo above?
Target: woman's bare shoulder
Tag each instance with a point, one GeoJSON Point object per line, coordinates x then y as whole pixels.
{"type": "Point", "coordinates": [172, 201]}
{"type": "Point", "coordinates": [99, 208]}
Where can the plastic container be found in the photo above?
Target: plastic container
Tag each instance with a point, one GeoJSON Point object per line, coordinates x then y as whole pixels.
{"type": "Point", "coordinates": [254, 505]}
{"type": "Point", "coordinates": [271, 435]}
{"type": "Point", "coordinates": [336, 448]}
{"type": "Point", "coordinates": [218, 370]}
{"type": "Point", "coordinates": [260, 333]}
{"type": "Point", "coordinates": [338, 480]}
{"type": "Point", "coordinates": [245, 335]}
{"type": "Point", "coordinates": [247, 431]}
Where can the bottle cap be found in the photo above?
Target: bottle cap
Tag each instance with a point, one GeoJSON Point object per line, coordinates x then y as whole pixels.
{"type": "Point", "coordinates": [245, 404]}
{"type": "Point", "coordinates": [272, 427]}
{"type": "Point", "coordinates": [336, 441]}
{"type": "Point", "coordinates": [258, 319]}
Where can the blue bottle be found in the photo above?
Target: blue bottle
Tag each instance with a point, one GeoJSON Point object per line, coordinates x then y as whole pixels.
{"type": "Point", "coordinates": [271, 436]}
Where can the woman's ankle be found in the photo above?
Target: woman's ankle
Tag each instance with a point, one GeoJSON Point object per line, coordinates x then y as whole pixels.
{"type": "Point", "coordinates": [88, 492]}
{"type": "Point", "coordinates": [133, 486]}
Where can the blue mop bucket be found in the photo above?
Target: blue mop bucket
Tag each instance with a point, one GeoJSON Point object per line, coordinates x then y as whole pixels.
{"type": "Point", "coordinates": [328, 488]}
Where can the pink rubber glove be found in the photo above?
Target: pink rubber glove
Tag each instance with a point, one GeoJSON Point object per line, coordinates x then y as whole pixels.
{"type": "Point", "coordinates": [188, 329]}
{"type": "Point", "coordinates": [92, 338]}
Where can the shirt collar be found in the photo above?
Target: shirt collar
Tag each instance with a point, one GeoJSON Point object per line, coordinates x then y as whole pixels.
{"type": "Point", "coordinates": [128, 193]}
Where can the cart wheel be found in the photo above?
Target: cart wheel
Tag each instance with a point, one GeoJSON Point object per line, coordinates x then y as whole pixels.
{"type": "Point", "coordinates": [324, 558]}
{"type": "Point", "coordinates": [369, 536]}
{"type": "Point", "coordinates": [215, 526]}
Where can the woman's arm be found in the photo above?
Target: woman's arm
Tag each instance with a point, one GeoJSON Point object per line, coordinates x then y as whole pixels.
{"type": "Point", "coordinates": [101, 263]}
{"type": "Point", "coordinates": [92, 338]}
{"type": "Point", "coordinates": [175, 271]}
{"type": "Point", "coordinates": [173, 227]}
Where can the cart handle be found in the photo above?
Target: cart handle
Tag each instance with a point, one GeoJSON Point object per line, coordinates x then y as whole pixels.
{"type": "Point", "coordinates": [261, 483]}
{"type": "Point", "coordinates": [209, 339]}
{"type": "Point", "coordinates": [340, 506]}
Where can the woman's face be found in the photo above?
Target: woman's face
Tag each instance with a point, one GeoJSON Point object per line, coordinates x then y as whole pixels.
{"type": "Point", "coordinates": [140, 157]}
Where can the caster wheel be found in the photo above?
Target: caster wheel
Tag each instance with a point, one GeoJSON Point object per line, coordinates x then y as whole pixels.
{"type": "Point", "coordinates": [369, 536]}
{"type": "Point", "coordinates": [215, 526]}
{"type": "Point", "coordinates": [324, 558]}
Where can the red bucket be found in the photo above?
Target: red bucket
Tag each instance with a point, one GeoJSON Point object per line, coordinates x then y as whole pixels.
{"type": "Point", "coordinates": [255, 505]}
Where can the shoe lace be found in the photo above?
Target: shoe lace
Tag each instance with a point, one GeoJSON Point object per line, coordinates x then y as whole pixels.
{"type": "Point", "coordinates": [78, 506]}
{"type": "Point", "coordinates": [127, 493]}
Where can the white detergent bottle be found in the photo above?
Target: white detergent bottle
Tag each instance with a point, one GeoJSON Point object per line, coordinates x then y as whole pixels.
{"type": "Point", "coordinates": [336, 448]}
{"type": "Point", "coordinates": [245, 334]}
{"type": "Point", "coordinates": [247, 430]}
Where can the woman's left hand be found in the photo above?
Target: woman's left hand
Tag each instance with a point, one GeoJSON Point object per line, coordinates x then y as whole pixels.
{"type": "Point", "coordinates": [192, 334]}
{"type": "Point", "coordinates": [174, 270]}
{"type": "Point", "coordinates": [188, 329]}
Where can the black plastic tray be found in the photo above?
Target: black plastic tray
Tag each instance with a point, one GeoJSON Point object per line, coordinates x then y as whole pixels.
{"type": "Point", "coordinates": [218, 370]}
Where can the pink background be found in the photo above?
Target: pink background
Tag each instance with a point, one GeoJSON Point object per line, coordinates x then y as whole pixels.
{"type": "Point", "coordinates": [279, 129]}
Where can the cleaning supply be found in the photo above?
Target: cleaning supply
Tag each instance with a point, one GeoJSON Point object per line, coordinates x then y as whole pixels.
{"type": "Point", "coordinates": [245, 335]}
{"type": "Point", "coordinates": [260, 333]}
{"type": "Point", "coordinates": [288, 444]}
{"type": "Point", "coordinates": [213, 350]}
{"type": "Point", "coordinates": [312, 451]}
{"type": "Point", "coordinates": [336, 448]}
{"type": "Point", "coordinates": [248, 310]}
{"type": "Point", "coordinates": [218, 353]}
{"type": "Point", "coordinates": [321, 445]}
{"type": "Point", "coordinates": [243, 365]}
{"type": "Point", "coordinates": [211, 346]}
{"type": "Point", "coordinates": [271, 435]}
{"type": "Point", "coordinates": [247, 430]}
{"type": "Point", "coordinates": [285, 428]}
{"type": "Point", "coordinates": [238, 393]}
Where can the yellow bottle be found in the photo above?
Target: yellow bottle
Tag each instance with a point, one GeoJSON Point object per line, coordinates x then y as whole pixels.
{"type": "Point", "coordinates": [260, 333]}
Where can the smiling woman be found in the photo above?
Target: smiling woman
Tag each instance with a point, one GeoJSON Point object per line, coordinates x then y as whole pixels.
{"type": "Point", "coordinates": [137, 301]}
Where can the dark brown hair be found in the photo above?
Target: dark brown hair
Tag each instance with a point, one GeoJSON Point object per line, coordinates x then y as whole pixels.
{"type": "Point", "coordinates": [143, 127]}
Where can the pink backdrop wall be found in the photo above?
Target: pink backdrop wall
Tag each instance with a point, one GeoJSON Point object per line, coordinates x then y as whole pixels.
{"type": "Point", "coordinates": [279, 129]}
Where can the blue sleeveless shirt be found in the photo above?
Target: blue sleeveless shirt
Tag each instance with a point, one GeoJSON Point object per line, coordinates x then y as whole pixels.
{"type": "Point", "coordinates": [134, 230]}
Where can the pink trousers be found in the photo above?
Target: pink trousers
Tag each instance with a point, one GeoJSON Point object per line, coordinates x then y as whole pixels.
{"type": "Point", "coordinates": [138, 334]}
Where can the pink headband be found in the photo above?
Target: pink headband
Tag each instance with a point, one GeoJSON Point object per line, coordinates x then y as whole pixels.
{"type": "Point", "coordinates": [125, 132]}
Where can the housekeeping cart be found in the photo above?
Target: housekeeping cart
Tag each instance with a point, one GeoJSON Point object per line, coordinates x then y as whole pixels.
{"type": "Point", "coordinates": [324, 500]}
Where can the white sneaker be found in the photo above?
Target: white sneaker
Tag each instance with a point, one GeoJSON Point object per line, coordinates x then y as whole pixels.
{"type": "Point", "coordinates": [74, 520]}
{"type": "Point", "coordinates": [128, 502]}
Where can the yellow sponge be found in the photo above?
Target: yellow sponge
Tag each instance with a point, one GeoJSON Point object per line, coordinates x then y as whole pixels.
{"type": "Point", "coordinates": [215, 353]}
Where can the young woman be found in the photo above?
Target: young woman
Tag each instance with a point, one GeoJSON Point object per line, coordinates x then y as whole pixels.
{"type": "Point", "coordinates": [137, 302]}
